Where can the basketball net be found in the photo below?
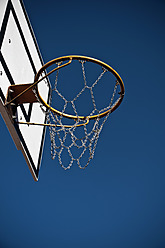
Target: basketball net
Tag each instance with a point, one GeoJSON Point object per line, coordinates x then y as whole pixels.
{"type": "Point", "coordinates": [77, 142]}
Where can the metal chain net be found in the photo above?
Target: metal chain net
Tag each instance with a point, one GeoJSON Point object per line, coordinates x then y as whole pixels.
{"type": "Point", "coordinates": [76, 144]}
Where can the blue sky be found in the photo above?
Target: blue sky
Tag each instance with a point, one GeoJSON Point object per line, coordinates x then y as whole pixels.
{"type": "Point", "coordinates": [118, 201]}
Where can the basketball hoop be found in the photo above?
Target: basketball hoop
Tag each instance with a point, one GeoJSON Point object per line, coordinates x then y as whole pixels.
{"type": "Point", "coordinates": [81, 59]}
{"type": "Point", "coordinates": [83, 132]}
{"type": "Point", "coordinates": [59, 131]}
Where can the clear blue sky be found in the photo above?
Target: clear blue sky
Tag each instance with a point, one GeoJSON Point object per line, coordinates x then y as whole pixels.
{"type": "Point", "coordinates": [119, 200]}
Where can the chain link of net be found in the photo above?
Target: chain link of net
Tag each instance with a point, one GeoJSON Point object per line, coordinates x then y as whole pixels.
{"type": "Point", "coordinates": [60, 133]}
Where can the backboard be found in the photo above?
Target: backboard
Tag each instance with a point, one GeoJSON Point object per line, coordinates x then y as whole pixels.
{"type": "Point", "coordinates": [20, 60]}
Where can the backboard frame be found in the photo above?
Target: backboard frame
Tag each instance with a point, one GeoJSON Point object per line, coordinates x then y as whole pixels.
{"type": "Point", "coordinates": [16, 9]}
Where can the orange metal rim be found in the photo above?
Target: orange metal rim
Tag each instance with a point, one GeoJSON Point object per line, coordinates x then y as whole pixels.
{"type": "Point", "coordinates": [84, 58]}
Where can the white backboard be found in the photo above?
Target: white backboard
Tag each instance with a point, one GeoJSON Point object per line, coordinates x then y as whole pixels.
{"type": "Point", "coordinates": [20, 59]}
